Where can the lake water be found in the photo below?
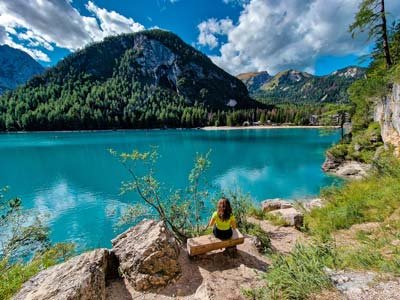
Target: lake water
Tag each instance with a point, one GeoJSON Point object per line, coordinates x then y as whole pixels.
{"type": "Point", "coordinates": [72, 178]}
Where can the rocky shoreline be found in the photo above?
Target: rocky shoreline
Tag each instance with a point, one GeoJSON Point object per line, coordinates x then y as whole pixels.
{"type": "Point", "coordinates": [345, 168]}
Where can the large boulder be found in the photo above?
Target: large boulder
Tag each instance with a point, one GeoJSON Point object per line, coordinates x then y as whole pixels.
{"type": "Point", "coordinates": [291, 216]}
{"type": "Point", "coordinates": [274, 204]}
{"type": "Point", "coordinates": [82, 277]}
{"type": "Point", "coordinates": [148, 255]}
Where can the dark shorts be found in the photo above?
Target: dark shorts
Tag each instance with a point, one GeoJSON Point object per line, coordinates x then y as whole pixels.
{"type": "Point", "coordinates": [222, 234]}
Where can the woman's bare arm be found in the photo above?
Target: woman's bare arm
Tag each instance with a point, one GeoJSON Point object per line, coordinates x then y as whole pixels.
{"type": "Point", "coordinates": [233, 224]}
{"type": "Point", "coordinates": [211, 223]}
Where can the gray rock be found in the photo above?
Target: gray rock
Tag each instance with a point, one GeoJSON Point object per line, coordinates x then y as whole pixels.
{"type": "Point", "coordinates": [331, 163]}
{"type": "Point", "coordinates": [82, 277]}
{"type": "Point", "coordinates": [309, 205]}
{"type": "Point", "coordinates": [292, 216]}
{"type": "Point", "coordinates": [148, 255]}
{"type": "Point", "coordinates": [274, 204]}
{"type": "Point", "coordinates": [345, 169]}
{"type": "Point", "coordinates": [353, 170]}
{"type": "Point", "coordinates": [354, 285]}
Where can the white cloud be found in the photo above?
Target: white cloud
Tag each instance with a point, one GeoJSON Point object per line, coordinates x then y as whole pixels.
{"type": "Point", "coordinates": [111, 22]}
{"type": "Point", "coordinates": [275, 35]}
{"type": "Point", "coordinates": [35, 41]}
{"type": "Point", "coordinates": [210, 29]}
{"type": "Point", "coordinates": [35, 53]}
{"type": "Point", "coordinates": [38, 23]}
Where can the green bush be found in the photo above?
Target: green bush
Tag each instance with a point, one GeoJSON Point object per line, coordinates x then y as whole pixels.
{"type": "Point", "coordinates": [362, 146]}
{"type": "Point", "coordinates": [339, 151]}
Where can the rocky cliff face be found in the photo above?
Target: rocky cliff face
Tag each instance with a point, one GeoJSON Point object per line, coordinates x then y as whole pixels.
{"type": "Point", "coordinates": [387, 113]}
{"type": "Point", "coordinates": [16, 67]}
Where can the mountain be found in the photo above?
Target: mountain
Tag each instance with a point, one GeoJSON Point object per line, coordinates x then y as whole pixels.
{"type": "Point", "coordinates": [16, 68]}
{"type": "Point", "coordinates": [144, 79]}
{"type": "Point", "coordinates": [254, 80]}
{"type": "Point", "coordinates": [301, 87]}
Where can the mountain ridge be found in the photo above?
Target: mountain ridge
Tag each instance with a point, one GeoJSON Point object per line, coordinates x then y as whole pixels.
{"type": "Point", "coordinates": [16, 68]}
{"type": "Point", "coordinates": [295, 86]}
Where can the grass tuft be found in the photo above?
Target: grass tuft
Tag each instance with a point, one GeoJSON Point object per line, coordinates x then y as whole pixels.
{"type": "Point", "coordinates": [12, 276]}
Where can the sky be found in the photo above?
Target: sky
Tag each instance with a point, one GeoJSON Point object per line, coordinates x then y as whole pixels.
{"type": "Point", "coordinates": [238, 35]}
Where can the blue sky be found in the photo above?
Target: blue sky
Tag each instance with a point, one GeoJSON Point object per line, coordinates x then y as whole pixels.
{"type": "Point", "coordinates": [238, 35]}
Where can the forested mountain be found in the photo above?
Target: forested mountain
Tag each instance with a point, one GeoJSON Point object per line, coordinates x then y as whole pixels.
{"type": "Point", "coordinates": [140, 80]}
{"type": "Point", "coordinates": [293, 86]}
{"type": "Point", "coordinates": [16, 67]}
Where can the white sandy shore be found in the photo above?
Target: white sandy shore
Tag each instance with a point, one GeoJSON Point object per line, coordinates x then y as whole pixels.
{"type": "Point", "coordinates": [264, 127]}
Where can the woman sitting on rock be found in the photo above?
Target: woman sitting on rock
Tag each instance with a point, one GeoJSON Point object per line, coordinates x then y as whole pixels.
{"type": "Point", "coordinates": [223, 220]}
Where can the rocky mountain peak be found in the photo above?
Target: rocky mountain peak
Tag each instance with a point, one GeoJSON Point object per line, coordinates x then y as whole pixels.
{"type": "Point", "coordinates": [297, 86]}
{"type": "Point", "coordinates": [349, 72]}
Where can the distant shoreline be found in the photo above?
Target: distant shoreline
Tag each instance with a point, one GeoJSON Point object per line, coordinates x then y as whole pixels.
{"type": "Point", "coordinates": [206, 128]}
{"type": "Point", "coordinates": [210, 128]}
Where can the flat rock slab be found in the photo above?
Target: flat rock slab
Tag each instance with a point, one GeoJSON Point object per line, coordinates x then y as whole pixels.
{"type": "Point", "coordinates": [80, 278]}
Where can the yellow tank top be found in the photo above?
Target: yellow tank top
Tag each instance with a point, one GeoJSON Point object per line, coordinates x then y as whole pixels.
{"type": "Point", "coordinates": [222, 225]}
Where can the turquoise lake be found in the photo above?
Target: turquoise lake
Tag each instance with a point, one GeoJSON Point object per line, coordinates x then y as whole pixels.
{"type": "Point", "coordinates": [72, 179]}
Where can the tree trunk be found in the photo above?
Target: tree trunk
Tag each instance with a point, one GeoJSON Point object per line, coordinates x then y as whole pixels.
{"type": "Point", "coordinates": [384, 36]}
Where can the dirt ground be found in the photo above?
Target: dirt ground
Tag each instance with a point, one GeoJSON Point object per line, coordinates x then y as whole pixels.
{"type": "Point", "coordinates": [211, 276]}
{"type": "Point", "coordinates": [216, 275]}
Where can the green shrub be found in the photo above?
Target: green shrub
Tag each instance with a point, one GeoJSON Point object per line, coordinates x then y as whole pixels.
{"type": "Point", "coordinates": [339, 151]}
{"type": "Point", "coordinates": [362, 146]}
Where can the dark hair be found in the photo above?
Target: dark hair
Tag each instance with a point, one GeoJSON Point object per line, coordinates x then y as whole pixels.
{"type": "Point", "coordinates": [224, 209]}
